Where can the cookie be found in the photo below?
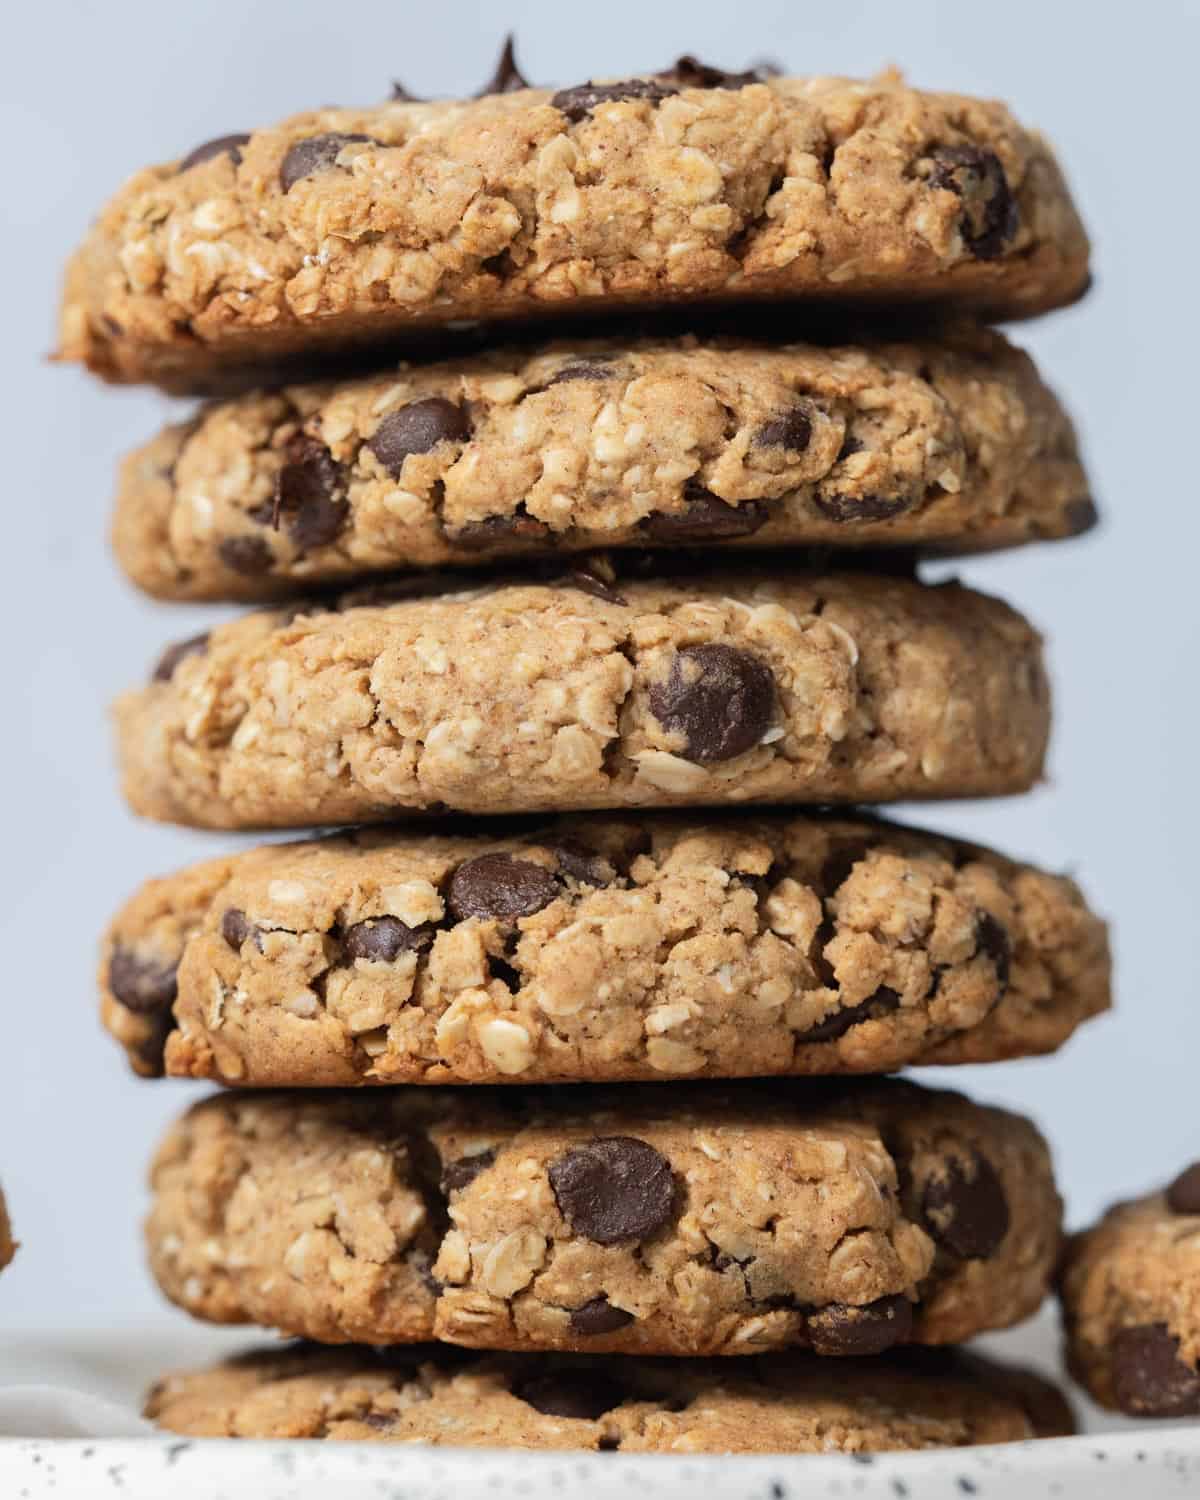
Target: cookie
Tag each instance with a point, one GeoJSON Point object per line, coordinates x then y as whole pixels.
{"type": "Point", "coordinates": [342, 229]}
{"type": "Point", "coordinates": [658, 1219]}
{"type": "Point", "coordinates": [1130, 1290]}
{"type": "Point", "coordinates": [596, 950]}
{"type": "Point", "coordinates": [772, 1404]}
{"type": "Point", "coordinates": [8, 1247]}
{"type": "Point", "coordinates": [590, 693]}
{"type": "Point", "coordinates": [952, 445]}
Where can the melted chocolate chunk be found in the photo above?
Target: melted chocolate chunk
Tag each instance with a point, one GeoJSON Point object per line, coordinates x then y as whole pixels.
{"type": "Point", "coordinates": [500, 886]}
{"type": "Point", "coordinates": [383, 939]}
{"type": "Point", "coordinates": [599, 1316]}
{"type": "Point", "coordinates": [1149, 1378]}
{"type": "Point", "coordinates": [705, 517]}
{"type": "Point", "coordinates": [882, 1003]}
{"type": "Point", "coordinates": [459, 1174]}
{"type": "Point", "coordinates": [310, 494]}
{"type": "Point", "coordinates": [578, 103]}
{"type": "Point", "coordinates": [316, 153]}
{"type": "Point", "coordinates": [843, 1330]}
{"type": "Point", "coordinates": [247, 555]}
{"type": "Point", "coordinates": [142, 985]}
{"type": "Point", "coordinates": [417, 428]}
{"type": "Point", "coordinates": [613, 1189]}
{"type": "Point", "coordinates": [221, 145]}
{"type": "Point", "coordinates": [719, 698]}
{"type": "Point", "coordinates": [965, 1208]}
{"type": "Point", "coordinates": [989, 218]}
{"type": "Point", "coordinates": [195, 645]}
{"type": "Point", "coordinates": [506, 77]}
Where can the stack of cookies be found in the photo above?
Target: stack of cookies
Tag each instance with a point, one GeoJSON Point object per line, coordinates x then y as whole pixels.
{"type": "Point", "coordinates": [587, 619]}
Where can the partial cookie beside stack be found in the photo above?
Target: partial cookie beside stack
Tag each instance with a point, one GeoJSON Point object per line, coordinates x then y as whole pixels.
{"type": "Point", "coordinates": [686, 590]}
{"type": "Point", "coordinates": [8, 1247]}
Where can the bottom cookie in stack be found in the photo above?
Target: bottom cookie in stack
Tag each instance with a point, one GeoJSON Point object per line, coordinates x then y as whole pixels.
{"type": "Point", "coordinates": [773, 1404]}
{"type": "Point", "coordinates": [672, 1219]}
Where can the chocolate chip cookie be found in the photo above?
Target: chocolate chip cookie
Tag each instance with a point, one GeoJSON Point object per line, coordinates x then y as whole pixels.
{"type": "Point", "coordinates": [671, 1219]}
{"type": "Point", "coordinates": [951, 445]}
{"type": "Point", "coordinates": [8, 1246]}
{"type": "Point", "coordinates": [772, 1404]}
{"type": "Point", "coordinates": [592, 691]}
{"type": "Point", "coordinates": [1130, 1290]}
{"type": "Point", "coordinates": [342, 229]}
{"type": "Point", "coordinates": [598, 950]}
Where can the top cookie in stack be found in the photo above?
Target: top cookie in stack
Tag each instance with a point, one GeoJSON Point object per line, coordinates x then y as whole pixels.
{"type": "Point", "coordinates": [340, 231]}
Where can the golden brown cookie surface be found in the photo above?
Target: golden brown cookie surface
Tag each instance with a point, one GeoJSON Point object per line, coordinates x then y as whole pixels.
{"type": "Point", "coordinates": [666, 1219]}
{"type": "Point", "coordinates": [599, 949]}
{"type": "Point", "coordinates": [951, 444]}
{"type": "Point", "coordinates": [591, 692]}
{"type": "Point", "coordinates": [1130, 1289]}
{"type": "Point", "coordinates": [345, 228]}
{"type": "Point", "coordinates": [773, 1404]}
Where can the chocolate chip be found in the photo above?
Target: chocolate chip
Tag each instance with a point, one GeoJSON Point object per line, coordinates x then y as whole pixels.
{"type": "Point", "coordinates": [989, 210]}
{"type": "Point", "coordinates": [705, 517]}
{"type": "Point", "coordinates": [236, 928]}
{"type": "Point", "coordinates": [417, 428]}
{"type": "Point", "coordinates": [882, 1003]}
{"type": "Point", "coordinates": [248, 555]}
{"type": "Point", "coordinates": [495, 531]}
{"type": "Point", "coordinates": [309, 494]}
{"type": "Point", "coordinates": [1081, 516]}
{"type": "Point", "coordinates": [993, 942]}
{"type": "Point", "coordinates": [316, 153]}
{"type": "Point", "coordinates": [195, 645]}
{"type": "Point", "coordinates": [599, 1316]}
{"type": "Point", "coordinates": [589, 583]}
{"type": "Point", "coordinates": [507, 77]}
{"type": "Point", "coordinates": [844, 1330]}
{"type": "Point", "coordinates": [459, 1174]}
{"type": "Point", "coordinates": [690, 73]}
{"type": "Point", "coordinates": [615, 1188]}
{"type": "Point", "coordinates": [578, 103]}
{"type": "Point", "coordinates": [719, 698]}
{"type": "Point", "coordinates": [848, 508]}
{"type": "Point", "coordinates": [791, 430]}
{"type": "Point", "coordinates": [1149, 1378]}
{"type": "Point", "coordinates": [142, 985]}
{"type": "Point", "coordinates": [383, 939]}
{"type": "Point", "coordinates": [1183, 1195]}
{"type": "Point", "coordinates": [380, 1421]}
{"type": "Point", "coordinates": [500, 886]}
{"type": "Point", "coordinates": [582, 1394]}
{"type": "Point", "coordinates": [221, 145]}
{"type": "Point", "coordinates": [965, 1208]}
{"type": "Point", "coordinates": [583, 865]}
{"type": "Point", "coordinates": [595, 367]}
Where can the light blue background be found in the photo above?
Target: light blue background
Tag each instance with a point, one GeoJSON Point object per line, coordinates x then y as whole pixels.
{"type": "Point", "coordinates": [92, 92]}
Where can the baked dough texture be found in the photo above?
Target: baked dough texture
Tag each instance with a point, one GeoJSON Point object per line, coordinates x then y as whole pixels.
{"type": "Point", "coordinates": [719, 688]}
{"type": "Point", "coordinates": [342, 229]}
{"type": "Point", "coordinates": [1130, 1290]}
{"type": "Point", "coordinates": [950, 445]}
{"type": "Point", "coordinates": [659, 1219]}
{"type": "Point", "coordinates": [599, 949]}
{"type": "Point", "coordinates": [773, 1404]}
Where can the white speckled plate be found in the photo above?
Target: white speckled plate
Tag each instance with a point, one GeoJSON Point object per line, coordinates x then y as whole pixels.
{"type": "Point", "coordinates": [1113, 1459]}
